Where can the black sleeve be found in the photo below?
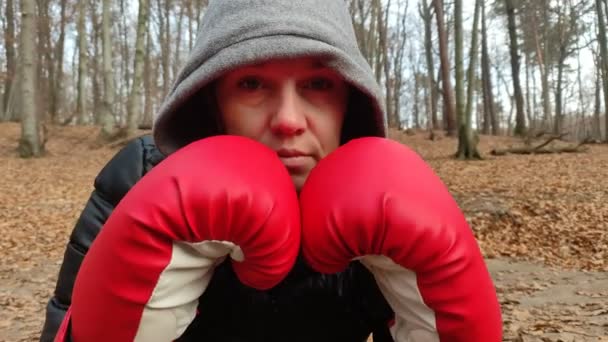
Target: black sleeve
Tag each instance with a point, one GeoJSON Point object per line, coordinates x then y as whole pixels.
{"type": "Point", "coordinates": [382, 334]}
{"type": "Point", "coordinates": [111, 184]}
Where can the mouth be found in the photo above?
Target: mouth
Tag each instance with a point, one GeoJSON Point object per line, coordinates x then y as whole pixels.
{"type": "Point", "coordinates": [290, 153]}
{"type": "Point", "coordinates": [295, 160]}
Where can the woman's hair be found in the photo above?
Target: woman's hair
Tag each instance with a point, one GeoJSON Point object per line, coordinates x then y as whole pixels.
{"type": "Point", "coordinates": [198, 118]}
{"type": "Point", "coordinates": [358, 122]}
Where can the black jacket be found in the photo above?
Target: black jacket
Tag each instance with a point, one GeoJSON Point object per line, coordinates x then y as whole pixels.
{"type": "Point", "coordinates": [306, 306]}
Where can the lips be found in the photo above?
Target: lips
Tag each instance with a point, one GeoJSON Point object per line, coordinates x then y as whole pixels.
{"type": "Point", "coordinates": [289, 153]}
{"type": "Point", "coordinates": [295, 160]}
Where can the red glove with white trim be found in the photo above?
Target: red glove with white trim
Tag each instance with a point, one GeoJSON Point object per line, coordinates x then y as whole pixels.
{"type": "Point", "coordinates": [217, 197]}
{"type": "Point", "coordinates": [376, 201]}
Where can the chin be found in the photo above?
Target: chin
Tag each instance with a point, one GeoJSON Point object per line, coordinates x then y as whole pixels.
{"type": "Point", "coordinates": [298, 181]}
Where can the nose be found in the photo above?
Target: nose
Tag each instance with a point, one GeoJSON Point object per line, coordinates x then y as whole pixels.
{"type": "Point", "coordinates": [289, 118]}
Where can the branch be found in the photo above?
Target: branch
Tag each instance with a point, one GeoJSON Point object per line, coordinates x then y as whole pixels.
{"type": "Point", "coordinates": [540, 149]}
{"type": "Point", "coordinates": [551, 139]}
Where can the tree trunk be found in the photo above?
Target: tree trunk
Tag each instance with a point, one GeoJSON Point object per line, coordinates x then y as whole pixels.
{"type": "Point", "coordinates": [81, 110]}
{"type": "Point", "coordinates": [557, 128]}
{"type": "Point", "coordinates": [11, 66]}
{"type": "Point", "coordinates": [458, 69]}
{"type": "Point", "coordinates": [46, 68]}
{"type": "Point", "coordinates": [601, 17]}
{"type": "Point", "coordinates": [376, 37]}
{"type": "Point", "coordinates": [30, 144]}
{"type": "Point", "coordinates": [467, 144]}
{"type": "Point", "coordinates": [94, 64]}
{"type": "Point", "coordinates": [597, 126]}
{"type": "Point", "coordinates": [545, 67]}
{"type": "Point", "coordinates": [125, 65]}
{"type": "Point", "coordinates": [427, 17]}
{"type": "Point", "coordinates": [535, 118]}
{"type": "Point", "coordinates": [416, 123]}
{"type": "Point", "coordinates": [178, 40]}
{"type": "Point", "coordinates": [561, 55]}
{"type": "Point", "coordinates": [163, 33]}
{"type": "Point", "coordinates": [489, 122]}
{"type": "Point", "coordinates": [389, 84]}
{"type": "Point", "coordinates": [190, 25]}
{"type": "Point", "coordinates": [500, 112]}
{"type": "Point", "coordinates": [529, 104]}
{"type": "Point", "coordinates": [520, 119]}
{"type": "Point", "coordinates": [167, 60]}
{"type": "Point", "coordinates": [363, 12]}
{"type": "Point", "coordinates": [148, 97]}
{"type": "Point", "coordinates": [107, 113]}
{"type": "Point", "coordinates": [135, 96]}
{"type": "Point", "coordinates": [56, 89]}
{"type": "Point", "coordinates": [584, 132]}
{"type": "Point", "coordinates": [449, 116]}
{"type": "Point", "coordinates": [397, 62]}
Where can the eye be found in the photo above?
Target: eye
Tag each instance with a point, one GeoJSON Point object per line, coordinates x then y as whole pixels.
{"type": "Point", "coordinates": [320, 83]}
{"type": "Point", "coordinates": [250, 83]}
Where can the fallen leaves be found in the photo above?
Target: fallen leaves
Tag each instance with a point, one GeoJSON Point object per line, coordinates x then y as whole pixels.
{"type": "Point", "coordinates": [548, 209]}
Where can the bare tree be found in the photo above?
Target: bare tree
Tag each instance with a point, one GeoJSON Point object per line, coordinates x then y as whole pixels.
{"type": "Point", "coordinates": [148, 85]}
{"type": "Point", "coordinates": [543, 52]}
{"type": "Point", "coordinates": [449, 116]}
{"type": "Point", "coordinates": [11, 66]}
{"type": "Point", "coordinates": [544, 59]}
{"type": "Point", "coordinates": [467, 146]}
{"type": "Point", "coordinates": [427, 17]}
{"type": "Point", "coordinates": [46, 66]}
{"type": "Point", "coordinates": [582, 127]}
{"type": "Point", "coordinates": [490, 121]}
{"type": "Point", "coordinates": [602, 15]}
{"type": "Point", "coordinates": [567, 32]}
{"type": "Point", "coordinates": [396, 41]}
{"type": "Point", "coordinates": [164, 36]}
{"type": "Point", "coordinates": [126, 61]}
{"type": "Point", "coordinates": [57, 86]}
{"type": "Point", "coordinates": [367, 17]}
{"type": "Point", "coordinates": [520, 118]}
{"type": "Point", "coordinates": [458, 61]}
{"type": "Point", "coordinates": [389, 88]}
{"type": "Point", "coordinates": [136, 93]}
{"type": "Point", "coordinates": [81, 104]}
{"type": "Point", "coordinates": [124, 86]}
{"type": "Point", "coordinates": [178, 40]}
{"type": "Point", "coordinates": [30, 144]}
{"type": "Point", "coordinates": [191, 23]}
{"type": "Point", "coordinates": [107, 113]}
{"type": "Point", "coordinates": [96, 61]}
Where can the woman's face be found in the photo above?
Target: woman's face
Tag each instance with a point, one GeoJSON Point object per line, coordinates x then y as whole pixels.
{"type": "Point", "coordinates": [294, 106]}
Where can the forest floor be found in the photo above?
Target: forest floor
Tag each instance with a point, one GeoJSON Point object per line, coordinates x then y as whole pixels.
{"type": "Point", "coordinates": [540, 220]}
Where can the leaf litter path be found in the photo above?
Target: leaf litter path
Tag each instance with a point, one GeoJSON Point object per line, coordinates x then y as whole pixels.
{"type": "Point", "coordinates": [541, 222]}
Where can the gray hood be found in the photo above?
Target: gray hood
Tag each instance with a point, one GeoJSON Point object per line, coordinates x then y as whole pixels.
{"type": "Point", "coordinates": [238, 32]}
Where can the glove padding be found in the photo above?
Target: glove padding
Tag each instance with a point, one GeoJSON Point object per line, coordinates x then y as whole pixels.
{"type": "Point", "coordinates": [375, 200]}
{"type": "Point", "coordinates": [155, 256]}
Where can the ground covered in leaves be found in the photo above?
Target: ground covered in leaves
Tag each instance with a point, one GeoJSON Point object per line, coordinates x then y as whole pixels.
{"type": "Point", "coordinates": [541, 222]}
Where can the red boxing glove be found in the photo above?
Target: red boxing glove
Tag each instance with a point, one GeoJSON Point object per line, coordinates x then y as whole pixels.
{"type": "Point", "coordinates": [143, 276]}
{"type": "Point", "coordinates": [375, 200]}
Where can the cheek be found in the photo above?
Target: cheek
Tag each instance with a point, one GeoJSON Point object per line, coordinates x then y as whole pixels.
{"type": "Point", "coordinates": [230, 111]}
{"type": "Point", "coordinates": [329, 129]}
{"type": "Point", "coordinates": [240, 120]}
